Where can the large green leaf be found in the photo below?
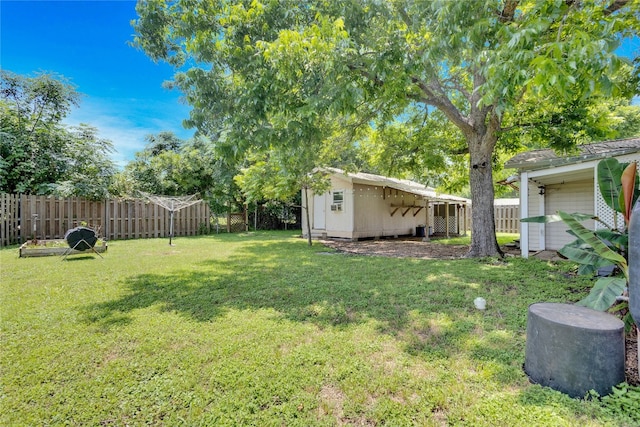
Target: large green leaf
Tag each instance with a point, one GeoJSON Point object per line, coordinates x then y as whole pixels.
{"type": "Point", "coordinates": [609, 172]}
{"type": "Point", "coordinates": [586, 270]}
{"type": "Point", "coordinates": [545, 219]}
{"type": "Point", "coordinates": [590, 238]}
{"type": "Point", "coordinates": [613, 238]}
{"type": "Point", "coordinates": [583, 254]}
{"type": "Point", "coordinates": [604, 293]}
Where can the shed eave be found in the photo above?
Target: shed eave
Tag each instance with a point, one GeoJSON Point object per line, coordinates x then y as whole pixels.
{"type": "Point", "coordinates": [407, 186]}
{"type": "Point", "coordinates": [564, 161]}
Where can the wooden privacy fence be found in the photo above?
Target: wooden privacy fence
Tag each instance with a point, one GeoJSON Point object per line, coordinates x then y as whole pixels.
{"type": "Point", "coordinates": [24, 217]}
{"type": "Point", "coordinates": [9, 219]}
{"type": "Point", "coordinates": [507, 218]}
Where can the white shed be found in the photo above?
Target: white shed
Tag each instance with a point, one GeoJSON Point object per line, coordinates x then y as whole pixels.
{"type": "Point", "coordinates": [550, 183]}
{"type": "Point", "coordinates": [362, 205]}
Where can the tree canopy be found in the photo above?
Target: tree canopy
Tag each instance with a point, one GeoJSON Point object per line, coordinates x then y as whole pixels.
{"type": "Point", "coordinates": [171, 166]}
{"type": "Point", "coordinates": [40, 155]}
{"type": "Point", "coordinates": [270, 75]}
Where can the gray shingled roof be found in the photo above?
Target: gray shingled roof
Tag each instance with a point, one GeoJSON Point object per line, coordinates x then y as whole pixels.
{"type": "Point", "coordinates": [541, 159]}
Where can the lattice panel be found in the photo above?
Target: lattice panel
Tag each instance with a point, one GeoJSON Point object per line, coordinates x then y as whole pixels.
{"type": "Point", "coordinates": [236, 222]}
{"type": "Point", "coordinates": [603, 211]}
{"type": "Point", "coordinates": [440, 225]}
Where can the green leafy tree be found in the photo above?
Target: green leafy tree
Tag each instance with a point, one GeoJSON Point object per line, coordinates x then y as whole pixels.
{"type": "Point", "coordinates": [153, 168]}
{"type": "Point", "coordinates": [257, 69]}
{"type": "Point", "coordinates": [122, 184]}
{"type": "Point", "coordinates": [171, 166]}
{"type": "Point", "coordinates": [38, 154]}
{"type": "Point", "coordinates": [32, 136]}
{"type": "Point", "coordinates": [277, 176]}
{"type": "Point", "coordinates": [626, 119]}
{"type": "Point", "coordinates": [89, 169]}
{"type": "Point", "coordinates": [426, 148]}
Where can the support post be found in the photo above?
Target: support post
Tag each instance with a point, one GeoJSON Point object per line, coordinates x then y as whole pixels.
{"type": "Point", "coordinates": [170, 226]}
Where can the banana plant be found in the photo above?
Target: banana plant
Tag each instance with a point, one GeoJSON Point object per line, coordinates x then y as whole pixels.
{"type": "Point", "coordinates": [596, 249]}
{"type": "Point", "coordinates": [606, 289]}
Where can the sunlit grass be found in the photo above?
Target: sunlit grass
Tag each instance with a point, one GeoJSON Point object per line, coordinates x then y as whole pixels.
{"type": "Point", "coordinates": [260, 329]}
{"type": "Point", "coordinates": [503, 239]}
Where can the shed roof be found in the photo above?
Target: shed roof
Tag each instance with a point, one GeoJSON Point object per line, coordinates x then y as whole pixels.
{"type": "Point", "coordinates": [543, 159]}
{"type": "Point", "coordinates": [397, 184]}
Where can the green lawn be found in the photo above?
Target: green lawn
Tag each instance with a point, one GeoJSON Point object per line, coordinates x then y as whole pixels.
{"type": "Point", "coordinates": [503, 239]}
{"type": "Point", "coordinates": [261, 330]}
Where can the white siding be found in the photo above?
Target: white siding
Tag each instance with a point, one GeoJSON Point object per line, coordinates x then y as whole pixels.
{"type": "Point", "coordinates": [340, 222]}
{"type": "Point", "coordinates": [569, 197]}
{"type": "Point", "coordinates": [369, 208]}
{"type": "Point", "coordinates": [374, 207]}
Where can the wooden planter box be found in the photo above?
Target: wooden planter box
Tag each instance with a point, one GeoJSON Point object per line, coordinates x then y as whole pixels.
{"type": "Point", "coordinates": [30, 251]}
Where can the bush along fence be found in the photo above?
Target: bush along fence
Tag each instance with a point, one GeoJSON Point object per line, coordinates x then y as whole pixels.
{"type": "Point", "coordinates": [25, 217]}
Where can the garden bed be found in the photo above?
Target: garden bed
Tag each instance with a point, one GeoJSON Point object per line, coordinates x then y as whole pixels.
{"type": "Point", "coordinates": [55, 247]}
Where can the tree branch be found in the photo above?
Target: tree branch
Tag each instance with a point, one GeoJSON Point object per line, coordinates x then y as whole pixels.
{"type": "Point", "coordinates": [457, 86]}
{"type": "Point", "coordinates": [551, 121]}
{"type": "Point", "coordinates": [404, 16]}
{"type": "Point", "coordinates": [435, 96]}
{"type": "Point", "coordinates": [459, 151]}
{"type": "Point", "coordinates": [616, 5]}
{"type": "Point", "coordinates": [508, 11]}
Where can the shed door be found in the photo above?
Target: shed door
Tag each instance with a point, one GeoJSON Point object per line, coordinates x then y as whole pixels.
{"type": "Point", "coordinates": [319, 211]}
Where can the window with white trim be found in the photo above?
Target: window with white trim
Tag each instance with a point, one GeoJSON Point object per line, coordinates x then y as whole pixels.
{"type": "Point", "coordinates": [337, 201]}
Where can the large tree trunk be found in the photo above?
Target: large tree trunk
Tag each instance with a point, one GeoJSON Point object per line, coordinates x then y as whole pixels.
{"type": "Point", "coordinates": [483, 228]}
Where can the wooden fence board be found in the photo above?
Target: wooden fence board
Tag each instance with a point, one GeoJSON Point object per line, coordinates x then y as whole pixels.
{"type": "Point", "coordinates": [45, 217]}
{"type": "Point", "coordinates": [9, 219]}
{"type": "Point", "coordinates": [507, 218]}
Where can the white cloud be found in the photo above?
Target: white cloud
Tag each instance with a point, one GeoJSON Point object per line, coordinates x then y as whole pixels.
{"type": "Point", "coordinates": [126, 122]}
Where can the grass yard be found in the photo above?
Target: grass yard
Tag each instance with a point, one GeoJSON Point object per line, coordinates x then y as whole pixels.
{"type": "Point", "coordinates": [259, 329]}
{"type": "Point", "coordinates": [502, 238]}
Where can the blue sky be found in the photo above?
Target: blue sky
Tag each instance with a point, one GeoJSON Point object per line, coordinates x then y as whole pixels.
{"type": "Point", "coordinates": [86, 42]}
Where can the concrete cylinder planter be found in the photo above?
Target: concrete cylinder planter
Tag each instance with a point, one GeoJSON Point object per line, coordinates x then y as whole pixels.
{"type": "Point", "coordinates": [574, 349]}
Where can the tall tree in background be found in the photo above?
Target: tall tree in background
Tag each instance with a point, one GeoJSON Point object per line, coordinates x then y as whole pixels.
{"type": "Point", "coordinates": [258, 69]}
{"type": "Point", "coordinates": [89, 168]}
{"type": "Point", "coordinates": [38, 154]}
{"type": "Point", "coordinates": [152, 169]}
{"type": "Point", "coordinates": [171, 166]}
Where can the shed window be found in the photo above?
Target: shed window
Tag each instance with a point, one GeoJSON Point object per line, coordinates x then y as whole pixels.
{"type": "Point", "coordinates": [338, 199]}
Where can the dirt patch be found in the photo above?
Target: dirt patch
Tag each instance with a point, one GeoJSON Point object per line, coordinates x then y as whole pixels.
{"type": "Point", "coordinates": [399, 248]}
{"type": "Point", "coordinates": [416, 248]}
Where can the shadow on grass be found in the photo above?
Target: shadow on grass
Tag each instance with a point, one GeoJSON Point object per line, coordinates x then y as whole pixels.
{"type": "Point", "coordinates": [73, 258]}
{"type": "Point", "coordinates": [425, 304]}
